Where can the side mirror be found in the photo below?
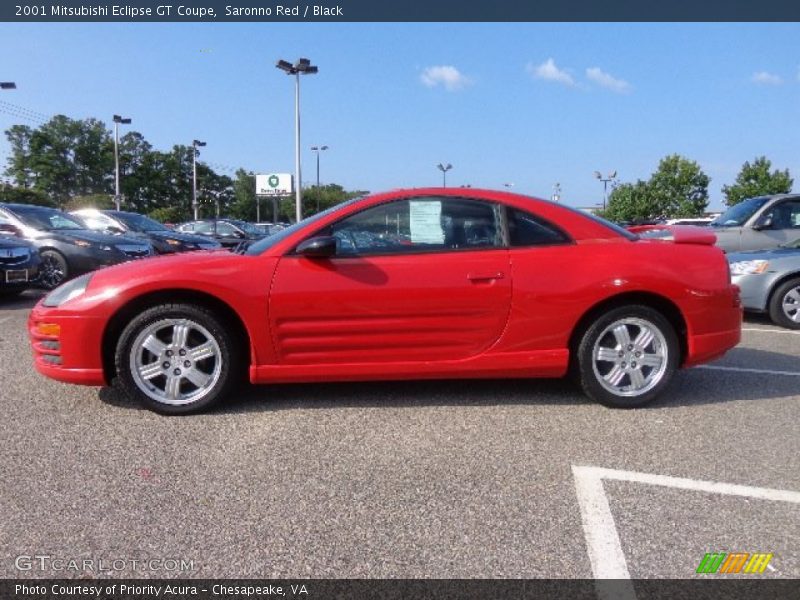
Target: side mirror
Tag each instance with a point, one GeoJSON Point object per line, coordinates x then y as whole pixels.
{"type": "Point", "coordinates": [9, 229]}
{"type": "Point", "coordinates": [765, 222]}
{"type": "Point", "coordinates": [322, 246]}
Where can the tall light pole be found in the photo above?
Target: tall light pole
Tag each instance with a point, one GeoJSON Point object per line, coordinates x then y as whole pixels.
{"type": "Point", "coordinates": [302, 66]}
{"type": "Point", "coordinates": [117, 120]}
{"type": "Point", "coordinates": [195, 145]}
{"type": "Point", "coordinates": [556, 192]}
{"type": "Point", "coordinates": [605, 181]}
{"type": "Point", "coordinates": [8, 85]}
{"type": "Point", "coordinates": [444, 169]}
{"type": "Point", "coordinates": [318, 149]}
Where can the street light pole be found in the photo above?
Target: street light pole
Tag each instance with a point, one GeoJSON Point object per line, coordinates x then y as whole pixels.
{"type": "Point", "coordinates": [318, 149]}
{"type": "Point", "coordinates": [605, 181]}
{"type": "Point", "coordinates": [195, 144]}
{"type": "Point", "coordinates": [444, 169]}
{"type": "Point", "coordinates": [117, 120]}
{"type": "Point", "coordinates": [302, 66]}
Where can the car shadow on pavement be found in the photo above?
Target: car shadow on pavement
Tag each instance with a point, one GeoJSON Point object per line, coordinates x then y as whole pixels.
{"type": "Point", "coordinates": [25, 301]}
{"type": "Point", "coordinates": [691, 387]}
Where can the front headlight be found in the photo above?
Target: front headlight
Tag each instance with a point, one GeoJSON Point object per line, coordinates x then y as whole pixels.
{"type": "Point", "coordinates": [68, 291]}
{"type": "Point", "coordinates": [172, 242]}
{"type": "Point", "coordinates": [749, 267]}
{"type": "Point", "coordinates": [82, 243]}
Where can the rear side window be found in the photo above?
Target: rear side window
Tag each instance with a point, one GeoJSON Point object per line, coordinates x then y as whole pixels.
{"type": "Point", "coordinates": [525, 229]}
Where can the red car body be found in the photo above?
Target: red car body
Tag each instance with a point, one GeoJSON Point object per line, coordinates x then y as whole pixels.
{"type": "Point", "coordinates": [498, 312]}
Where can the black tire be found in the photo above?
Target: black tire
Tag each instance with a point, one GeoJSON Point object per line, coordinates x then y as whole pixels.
{"type": "Point", "coordinates": [155, 391]}
{"type": "Point", "coordinates": [592, 375]}
{"type": "Point", "coordinates": [788, 292]}
{"type": "Point", "coordinates": [53, 270]}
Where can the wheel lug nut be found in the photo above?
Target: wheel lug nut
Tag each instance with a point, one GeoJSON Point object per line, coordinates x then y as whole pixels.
{"type": "Point", "coordinates": [633, 365]}
{"type": "Point", "coordinates": [177, 371]}
{"type": "Point", "coordinates": [169, 352]}
{"type": "Point", "coordinates": [630, 346]}
{"type": "Point", "coordinates": [182, 352]}
{"type": "Point", "coordinates": [187, 364]}
{"type": "Point", "coordinates": [165, 365]}
{"type": "Point", "coordinates": [624, 365]}
{"type": "Point", "coordinates": [621, 354]}
{"type": "Point", "coordinates": [638, 354]}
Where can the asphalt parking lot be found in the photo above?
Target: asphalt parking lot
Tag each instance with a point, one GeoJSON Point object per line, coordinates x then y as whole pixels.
{"type": "Point", "coordinates": [453, 479]}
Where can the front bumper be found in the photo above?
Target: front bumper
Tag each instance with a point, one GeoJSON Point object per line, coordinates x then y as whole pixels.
{"type": "Point", "coordinates": [72, 355]}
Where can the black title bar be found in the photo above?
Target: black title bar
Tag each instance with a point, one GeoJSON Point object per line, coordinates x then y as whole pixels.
{"type": "Point", "coordinates": [399, 10]}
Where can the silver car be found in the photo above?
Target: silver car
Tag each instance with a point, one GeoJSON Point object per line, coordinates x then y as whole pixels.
{"type": "Point", "coordinates": [770, 282]}
{"type": "Point", "coordinates": [759, 223]}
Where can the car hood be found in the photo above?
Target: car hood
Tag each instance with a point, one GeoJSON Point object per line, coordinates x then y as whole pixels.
{"type": "Point", "coordinates": [771, 253]}
{"type": "Point", "coordinates": [187, 238]}
{"type": "Point", "coordinates": [14, 242]}
{"type": "Point", "coordinates": [88, 235]}
{"type": "Point", "coordinates": [175, 267]}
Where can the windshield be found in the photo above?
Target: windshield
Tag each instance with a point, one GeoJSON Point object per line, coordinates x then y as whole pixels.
{"type": "Point", "coordinates": [46, 219]}
{"type": "Point", "coordinates": [738, 214]}
{"type": "Point", "coordinates": [269, 241]}
{"type": "Point", "coordinates": [248, 227]}
{"type": "Point", "coordinates": [139, 223]}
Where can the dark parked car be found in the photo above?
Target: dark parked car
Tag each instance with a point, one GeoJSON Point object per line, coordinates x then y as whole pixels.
{"type": "Point", "coordinates": [163, 239]}
{"type": "Point", "coordinates": [228, 232]}
{"type": "Point", "coordinates": [19, 265]}
{"type": "Point", "coordinates": [66, 247]}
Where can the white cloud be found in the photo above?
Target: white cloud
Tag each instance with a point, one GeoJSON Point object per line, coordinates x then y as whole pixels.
{"type": "Point", "coordinates": [445, 75]}
{"type": "Point", "coordinates": [608, 81]}
{"type": "Point", "coordinates": [550, 72]}
{"type": "Point", "coordinates": [765, 78]}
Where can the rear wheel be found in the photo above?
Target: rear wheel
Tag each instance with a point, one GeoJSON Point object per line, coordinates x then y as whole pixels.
{"type": "Point", "coordinates": [53, 270]}
{"type": "Point", "coordinates": [627, 357]}
{"type": "Point", "coordinates": [176, 359]}
{"type": "Point", "coordinates": [784, 306]}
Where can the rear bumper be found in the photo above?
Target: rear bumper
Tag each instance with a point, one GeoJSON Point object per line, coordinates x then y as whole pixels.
{"type": "Point", "coordinates": [710, 346]}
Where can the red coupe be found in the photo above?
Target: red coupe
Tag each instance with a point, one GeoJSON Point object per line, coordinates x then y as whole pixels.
{"type": "Point", "coordinates": [411, 284]}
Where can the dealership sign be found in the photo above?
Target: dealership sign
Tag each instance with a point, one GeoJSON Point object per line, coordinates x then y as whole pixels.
{"type": "Point", "coordinates": [274, 184]}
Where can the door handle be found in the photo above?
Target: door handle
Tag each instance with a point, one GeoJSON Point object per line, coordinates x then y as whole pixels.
{"type": "Point", "coordinates": [485, 276]}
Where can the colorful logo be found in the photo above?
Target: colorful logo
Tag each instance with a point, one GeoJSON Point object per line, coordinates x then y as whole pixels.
{"type": "Point", "coordinates": [734, 562]}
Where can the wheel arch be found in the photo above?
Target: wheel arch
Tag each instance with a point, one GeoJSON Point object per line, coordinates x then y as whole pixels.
{"type": "Point", "coordinates": [127, 311]}
{"type": "Point", "coordinates": [662, 304]}
{"type": "Point", "coordinates": [778, 283]}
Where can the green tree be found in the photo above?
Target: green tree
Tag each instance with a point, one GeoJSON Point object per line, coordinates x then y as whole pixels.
{"type": "Point", "coordinates": [62, 158]}
{"type": "Point", "coordinates": [632, 202]}
{"type": "Point", "coordinates": [243, 205]}
{"type": "Point", "coordinates": [169, 214]}
{"type": "Point", "coordinates": [19, 195]}
{"type": "Point", "coordinates": [679, 187]}
{"type": "Point", "coordinates": [756, 180]}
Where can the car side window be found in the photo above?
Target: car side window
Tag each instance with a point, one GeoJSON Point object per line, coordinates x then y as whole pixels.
{"type": "Point", "coordinates": [98, 222]}
{"type": "Point", "coordinates": [225, 229]}
{"type": "Point", "coordinates": [525, 229]}
{"type": "Point", "coordinates": [203, 228]}
{"type": "Point", "coordinates": [424, 224]}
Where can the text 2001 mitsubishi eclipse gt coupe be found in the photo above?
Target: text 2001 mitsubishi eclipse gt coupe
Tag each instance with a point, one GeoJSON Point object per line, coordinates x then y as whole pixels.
{"type": "Point", "coordinates": [414, 284]}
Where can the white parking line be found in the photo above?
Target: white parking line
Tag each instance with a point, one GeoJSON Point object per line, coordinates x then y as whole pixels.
{"type": "Point", "coordinates": [748, 370]}
{"type": "Point", "coordinates": [790, 332]}
{"type": "Point", "coordinates": [602, 540]}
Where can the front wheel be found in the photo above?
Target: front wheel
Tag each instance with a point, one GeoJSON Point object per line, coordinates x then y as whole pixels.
{"type": "Point", "coordinates": [53, 270]}
{"type": "Point", "coordinates": [176, 359]}
{"type": "Point", "coordinates": [627, 357]}
{"type": "Point", "coordinates": [784, 306]}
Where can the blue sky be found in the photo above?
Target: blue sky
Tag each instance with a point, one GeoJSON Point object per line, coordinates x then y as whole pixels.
{"type": "Point", "coordinates": [527, 103]}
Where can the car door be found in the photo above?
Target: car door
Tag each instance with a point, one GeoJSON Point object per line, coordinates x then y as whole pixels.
{"type": "Point", "coordinates": [419, 279]}
{"type": "Point", "coordinates": [778, 223]}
